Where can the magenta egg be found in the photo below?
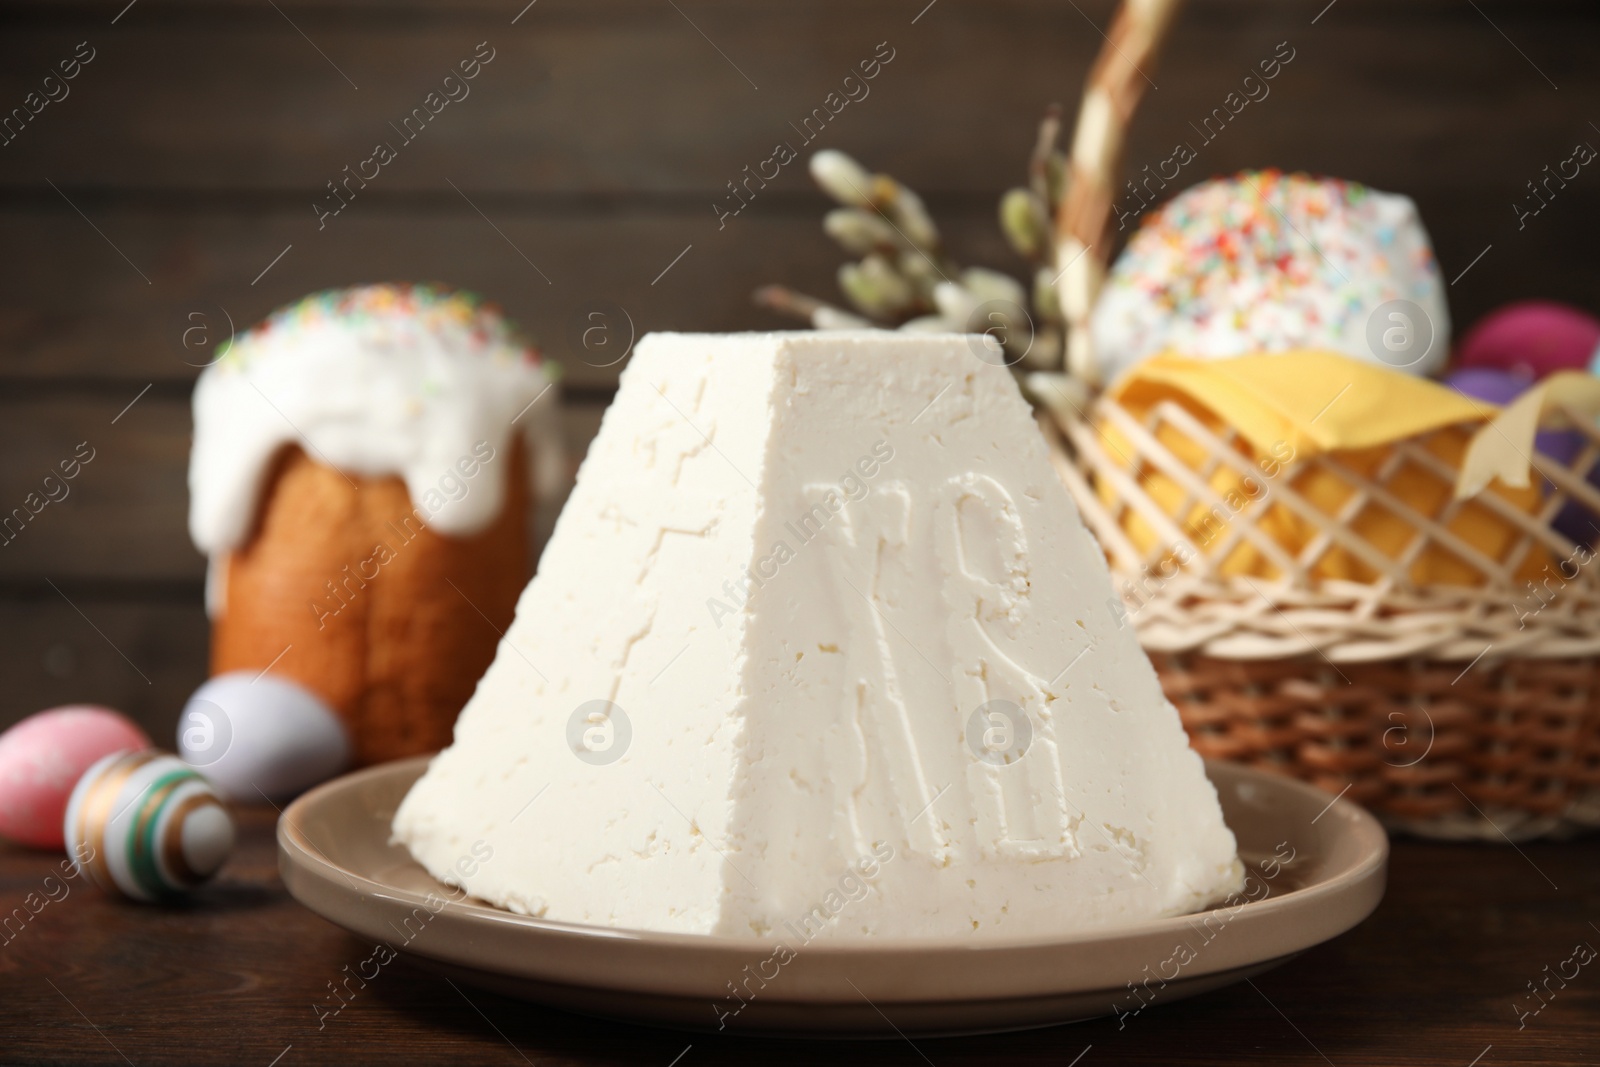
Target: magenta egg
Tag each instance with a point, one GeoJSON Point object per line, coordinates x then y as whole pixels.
{"type": "Point", "coordinates": [43, 756]}
{"type": "Point", "coordinates": [1532, 337]}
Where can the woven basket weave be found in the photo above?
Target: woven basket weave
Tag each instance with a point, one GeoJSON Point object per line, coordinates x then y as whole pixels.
{"type": "Point", "coordinates": [1451, 709]}
{"type": "Point", "coordinates": [1467, 710]}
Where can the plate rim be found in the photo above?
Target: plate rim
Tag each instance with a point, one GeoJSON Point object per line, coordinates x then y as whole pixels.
{"type": "Point", "coordinates": [300, 857]}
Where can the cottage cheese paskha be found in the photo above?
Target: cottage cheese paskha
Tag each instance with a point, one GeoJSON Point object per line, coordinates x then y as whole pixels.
{"type": "Point", "coordinates": [819, 604]}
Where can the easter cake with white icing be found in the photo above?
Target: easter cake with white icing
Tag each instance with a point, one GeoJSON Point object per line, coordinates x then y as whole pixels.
{"type": "Point", "coordinates": [361, 477]}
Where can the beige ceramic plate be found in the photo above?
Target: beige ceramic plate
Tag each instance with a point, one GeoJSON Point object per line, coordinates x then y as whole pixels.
{"type": "Point", "coordinates": [1316, 870]}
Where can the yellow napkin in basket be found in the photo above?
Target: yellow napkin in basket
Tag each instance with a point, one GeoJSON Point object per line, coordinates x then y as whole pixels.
{"type": "Point", "coordinates": [1280, 411]}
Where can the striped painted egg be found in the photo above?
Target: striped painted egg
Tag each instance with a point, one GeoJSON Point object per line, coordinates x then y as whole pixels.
{"type": "Point", "coordinates": [144, 824]}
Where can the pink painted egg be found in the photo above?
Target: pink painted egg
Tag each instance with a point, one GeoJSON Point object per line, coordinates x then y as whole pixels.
{"type": "Point", "coordinates": [1534, 338]}
{"type": "Point", "coordinates": [41, 759]}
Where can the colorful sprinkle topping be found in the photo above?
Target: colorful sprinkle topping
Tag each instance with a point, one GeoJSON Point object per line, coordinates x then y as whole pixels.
{"type": "Point", "coordinates": [393, 312]}
{"type": "Point", "coordinates": [1265, 261]}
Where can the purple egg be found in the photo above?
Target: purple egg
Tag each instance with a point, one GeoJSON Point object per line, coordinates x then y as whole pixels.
{"type": "Point", "coordinates": [1563, 445]}
{"type": "Point", "coordinates": [1574, 521]}
{"type": "Point", "coordinates": [1488, 383]}
{"type": "Point", "coordinates": [1502, 387]}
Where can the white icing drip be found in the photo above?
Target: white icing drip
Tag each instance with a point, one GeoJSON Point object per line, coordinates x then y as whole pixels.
{"type": "Point", "coordinates": [370, 396]}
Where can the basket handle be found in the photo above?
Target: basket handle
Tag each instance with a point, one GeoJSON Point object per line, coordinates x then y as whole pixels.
{"type": "Point", "coordinates": [1116, 84]}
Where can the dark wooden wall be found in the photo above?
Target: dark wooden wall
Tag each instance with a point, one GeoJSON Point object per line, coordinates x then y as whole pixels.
{"type": "Point", "coordinates": [192, 147]}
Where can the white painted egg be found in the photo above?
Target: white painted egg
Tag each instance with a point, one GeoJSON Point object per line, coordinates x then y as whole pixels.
{"type": "Point", "coordinates": [146, 825]}
{"type": "Point", "coordinates": [258, 735]}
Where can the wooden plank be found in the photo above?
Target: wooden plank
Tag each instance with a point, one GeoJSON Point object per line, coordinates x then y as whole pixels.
{"type": "Point", "coordinates": [121, 515]}
{"type": "Point", "coordinates": [576, 98]}
{"type": "Point", "coordinates": [124, 516]}
{"type": "Point", "coordinates": [205, 263]}
{"type": "Point", "coordinates": [142, 657]}
{"type": "Point", "coordinates": [74, 313]}
{"type": "Point", "coordinates": [614, 100]}
{"type": "Point", "coordinates": [622, 181]}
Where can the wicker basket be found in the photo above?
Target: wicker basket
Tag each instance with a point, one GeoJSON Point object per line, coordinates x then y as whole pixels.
{"type": "Point", "coordinates": [1458, 711]}
{"type": "Point", "coordinates": [1450, 710]}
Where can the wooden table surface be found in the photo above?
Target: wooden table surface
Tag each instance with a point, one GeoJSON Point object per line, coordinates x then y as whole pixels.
{"type": "Point", "coordinates": [1438, 975]}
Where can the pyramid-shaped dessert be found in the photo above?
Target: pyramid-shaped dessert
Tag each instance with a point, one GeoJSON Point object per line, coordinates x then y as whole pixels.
{"type": "Point", "coordinates": [821, 646]}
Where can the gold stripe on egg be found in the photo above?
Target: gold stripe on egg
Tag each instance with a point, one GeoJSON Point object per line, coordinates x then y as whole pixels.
{"type": "Point", "coordinates": [172, 843]}
{"type": "Point", "coordinates": [95, 810]}
{"type": "Point", "coordinates": [147, 811]}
